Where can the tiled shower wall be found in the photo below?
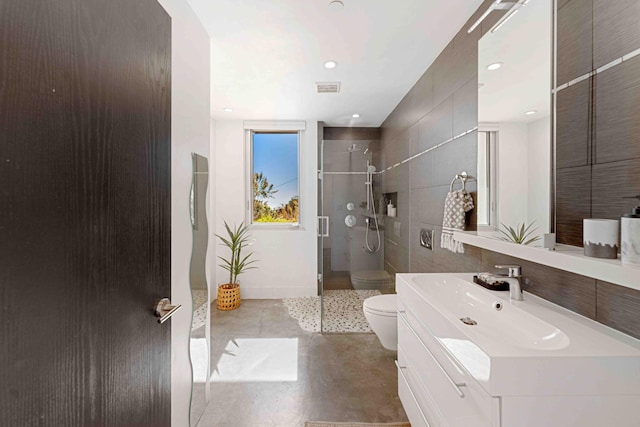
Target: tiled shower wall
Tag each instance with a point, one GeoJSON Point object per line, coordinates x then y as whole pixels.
{"type": "Point", "coordinates": [441, 106]}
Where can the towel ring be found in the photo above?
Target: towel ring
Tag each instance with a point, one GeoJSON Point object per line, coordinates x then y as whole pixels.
{"type": "Point", "coordinates": [462, 177]}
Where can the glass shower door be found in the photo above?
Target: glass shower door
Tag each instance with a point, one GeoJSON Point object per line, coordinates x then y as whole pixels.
{"type": "Point", "coordinates": [322, 231]}
{"type": "Point", "coordinates": [351, 245]}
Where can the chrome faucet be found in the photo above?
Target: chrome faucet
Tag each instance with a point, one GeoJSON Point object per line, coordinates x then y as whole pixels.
{"type": "Point", "coordinates": [514, 279]}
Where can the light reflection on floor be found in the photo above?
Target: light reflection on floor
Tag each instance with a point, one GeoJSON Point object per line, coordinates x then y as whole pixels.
{"type": "Point", "coordinates": [258, 360]}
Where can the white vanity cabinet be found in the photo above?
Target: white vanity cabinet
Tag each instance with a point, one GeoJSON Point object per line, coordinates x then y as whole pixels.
{"type": "Point", "coordinates": [432, 380]}
{"type": "Point", "coordinates": [510, 369]}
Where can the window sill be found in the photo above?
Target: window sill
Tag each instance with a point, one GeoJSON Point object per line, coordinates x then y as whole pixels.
{"type": "Point", "coordinates": [276, 227]}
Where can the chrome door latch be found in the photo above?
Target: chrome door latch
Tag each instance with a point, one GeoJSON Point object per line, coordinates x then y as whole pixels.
{"type": "Point", "coordinates": [164, 309]}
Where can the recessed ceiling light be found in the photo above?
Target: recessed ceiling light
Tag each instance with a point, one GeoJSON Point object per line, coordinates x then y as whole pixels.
{"type": "Point", "coordinates": [228, 110]}
{"type": "Point", "coordinates": [355, 116]}
{"type": "Point", "coordinates": [330, 64]}
{"type": "Point", "coordinates": [494, 66]}
{"type": "Point", "coordinates": [528, 113]}
{"type": "Point", "coordinates": [336, 5]}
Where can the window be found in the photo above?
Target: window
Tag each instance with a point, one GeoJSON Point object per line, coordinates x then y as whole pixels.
{"type": "Point", "coordinates": [487, 180]}
{"type": "Point", "coordinates": [274, 176]}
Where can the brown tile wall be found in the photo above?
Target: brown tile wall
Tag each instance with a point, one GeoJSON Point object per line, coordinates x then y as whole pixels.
{"type": "Point", "coordinates": [598, 131]}
{"type": "Point", "coordinates": [443, 103]}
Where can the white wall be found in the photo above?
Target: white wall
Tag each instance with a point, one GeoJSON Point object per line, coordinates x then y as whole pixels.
{"type": "Point", "coordinates": [190, 132]}
{"type": "Point", "coordinates": [512, 173]}
{"type": "Point", "coordinates": [539, 165]}
{"type": "Point", "coordinates": [287, 259]}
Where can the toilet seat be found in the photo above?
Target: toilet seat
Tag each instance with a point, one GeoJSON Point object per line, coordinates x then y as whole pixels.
{"type": "Point", "coordinates": [381, 305]}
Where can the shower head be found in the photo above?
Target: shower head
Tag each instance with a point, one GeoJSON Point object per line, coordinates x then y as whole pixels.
{"type": "Point", "coordinates": [371, 169]}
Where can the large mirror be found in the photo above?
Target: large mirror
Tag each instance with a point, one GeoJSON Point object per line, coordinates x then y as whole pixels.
{"type": "Point", "coordinates": [200, 328]}
{"type": "Point", "coordinates": [514, 115]}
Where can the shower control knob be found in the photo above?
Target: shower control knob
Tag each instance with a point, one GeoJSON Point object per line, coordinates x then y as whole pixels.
{"type": "Point", "coordinates": [350, 221]}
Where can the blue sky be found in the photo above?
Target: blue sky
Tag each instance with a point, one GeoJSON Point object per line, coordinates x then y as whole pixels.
{"type": "Point", "coordinates": [276, 156]}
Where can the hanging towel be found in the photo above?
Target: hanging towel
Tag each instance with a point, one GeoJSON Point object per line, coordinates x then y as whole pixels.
{"type": "Point", "coordinates": [456, 205]}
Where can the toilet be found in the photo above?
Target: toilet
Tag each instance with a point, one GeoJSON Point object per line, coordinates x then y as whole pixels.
{"type": "Point", "coordinates": [382, 315]}
{"type": "Point", "coordinates": [371, 279]}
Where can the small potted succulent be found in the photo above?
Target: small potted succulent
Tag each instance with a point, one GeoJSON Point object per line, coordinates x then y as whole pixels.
{"type": "Point", "coordinates": [521, 235]}
{"type": "Point", "coordinates": [236, 240]}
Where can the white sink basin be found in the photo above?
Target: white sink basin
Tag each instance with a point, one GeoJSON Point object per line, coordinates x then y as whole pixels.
{"type": "Point", "coordinates": [508, 350]}
{"type": "Point", "coordinates": [496, 320]}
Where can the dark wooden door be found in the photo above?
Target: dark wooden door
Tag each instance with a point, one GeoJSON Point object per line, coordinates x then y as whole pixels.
{"type": "Point", "coordinates": [84, 212]}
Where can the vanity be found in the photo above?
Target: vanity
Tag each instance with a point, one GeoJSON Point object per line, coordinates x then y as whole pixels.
{"type": "Point", "coordinates": [468, 356]}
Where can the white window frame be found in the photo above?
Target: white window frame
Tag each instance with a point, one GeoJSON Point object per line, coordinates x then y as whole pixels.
{"type": "Point", "coordinates": [491, 129]}
{"type": "Point", "coordinates": [250, 127]}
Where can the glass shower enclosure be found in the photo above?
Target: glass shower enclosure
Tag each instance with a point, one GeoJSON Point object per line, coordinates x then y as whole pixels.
{"type": "Point", "coordinates": [351, 233]}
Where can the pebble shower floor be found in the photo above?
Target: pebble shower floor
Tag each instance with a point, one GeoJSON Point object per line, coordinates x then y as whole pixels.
{"type": "Point", "coordinates": [343, 311]}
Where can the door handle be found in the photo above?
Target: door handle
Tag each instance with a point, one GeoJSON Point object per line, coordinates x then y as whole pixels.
{"type": "Point", "coordinates": [323, 231]}
{"type": "Point", "coordinates": [164, 309]}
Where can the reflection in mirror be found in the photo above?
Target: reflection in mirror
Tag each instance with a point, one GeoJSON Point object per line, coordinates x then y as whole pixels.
{"type": "Point", "coordinates": [486, 203]}
{"type": "Point", "coordinates": [199, 343]}
{"type": "Point", "coordinates": [514, 115]}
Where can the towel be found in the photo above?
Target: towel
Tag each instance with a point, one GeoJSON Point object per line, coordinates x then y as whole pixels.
{"type": "Point", "coordinates": [456, 205]}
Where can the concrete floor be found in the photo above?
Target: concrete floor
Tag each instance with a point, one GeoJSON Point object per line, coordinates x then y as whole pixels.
{"type": "Point", "coordinates": [272, 373]}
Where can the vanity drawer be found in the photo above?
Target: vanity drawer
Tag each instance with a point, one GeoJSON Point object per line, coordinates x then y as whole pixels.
{"type": "Point", "coordinates": [458, 405]}
{"type": "Point", "coordinates": [413, 401]}
{"type": "Point", "coordinates": [435, 329]}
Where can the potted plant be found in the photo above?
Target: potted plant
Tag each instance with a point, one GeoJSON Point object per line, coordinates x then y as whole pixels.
{"type": "Point", "coordinates": [520, 235]}
{"type": "Point", "coordinates": [237, 239]}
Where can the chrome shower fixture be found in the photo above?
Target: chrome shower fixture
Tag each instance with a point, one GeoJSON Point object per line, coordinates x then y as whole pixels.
{"type": "Point", "coordinates": [371, 206]}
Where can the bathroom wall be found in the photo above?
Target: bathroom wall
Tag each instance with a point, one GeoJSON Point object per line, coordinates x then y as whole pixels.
{"type": "Point", "coordinates": [190, 132]}
{"type": "Point", "coordinates": [443, 105]}
{"type": "Point", "coordinates": [598, 132]}
{"type": "Point", "coordinates": [287, 258]}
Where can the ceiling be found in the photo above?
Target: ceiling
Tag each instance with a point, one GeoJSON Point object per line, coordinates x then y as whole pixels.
{"type": "Point", "coordinates": [267, 55]}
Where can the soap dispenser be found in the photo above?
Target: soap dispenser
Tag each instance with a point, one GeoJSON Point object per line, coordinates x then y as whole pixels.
{"type": "Point", "coordinates": [630, 237]}
{"type": "Point", "coordinates": [390, 209]}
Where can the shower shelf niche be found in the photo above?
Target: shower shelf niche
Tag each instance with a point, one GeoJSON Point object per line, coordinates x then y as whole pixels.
{"type": "Point", "coordinates": [390, 197]}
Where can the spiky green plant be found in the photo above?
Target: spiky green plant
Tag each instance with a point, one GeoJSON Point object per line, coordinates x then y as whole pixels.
{"type": "Point", "coordinates": [520, 235]}
{"type": "Point", "coordinates": [237, 239]}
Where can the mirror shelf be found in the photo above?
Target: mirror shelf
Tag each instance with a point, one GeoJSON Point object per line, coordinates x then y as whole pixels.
{"type": "Point", "coordinates": [564, 257]}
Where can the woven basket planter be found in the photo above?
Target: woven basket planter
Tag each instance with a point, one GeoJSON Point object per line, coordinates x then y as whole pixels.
{"type": "Point", "coordinates": [228, 296]}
